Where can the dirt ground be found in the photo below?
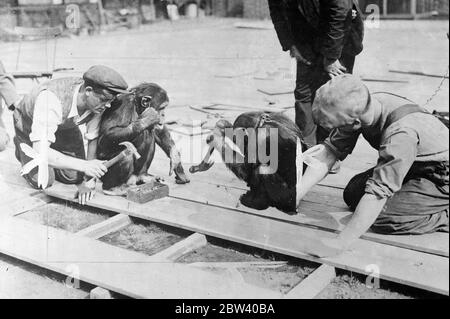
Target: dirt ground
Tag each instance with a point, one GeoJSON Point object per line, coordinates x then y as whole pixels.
{"type": "Point", "coordinates": [144, 237]}
{"type": "Point", "coordinates": [210, 61]}
{"type": "Point", "coordinates": [66, 216]}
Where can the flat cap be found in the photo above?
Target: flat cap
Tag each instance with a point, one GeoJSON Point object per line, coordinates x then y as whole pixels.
{"type": "Point", "coordinates": [106, 78]}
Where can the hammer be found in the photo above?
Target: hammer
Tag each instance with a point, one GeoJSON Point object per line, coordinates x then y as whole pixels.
{"type": "Point", "coordinates": [213, 143]}
{"type": "Point", "coordinates": [130, 149]}
{"type": "Point", "coordinates": [206, 164]}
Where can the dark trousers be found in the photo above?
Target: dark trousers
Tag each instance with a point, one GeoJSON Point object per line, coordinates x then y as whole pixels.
{"type": "Point", "coordinates": [309, 80]}
{"type": "Point", "coordinates": [420, 207]}
{"type": "Point", "coordinates": [68, 141]}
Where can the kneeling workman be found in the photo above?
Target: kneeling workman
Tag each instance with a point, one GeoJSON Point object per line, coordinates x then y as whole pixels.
{"type": "Point", "coordinates": [408, 190]}
{"type": "Point", "coordinates": [52, 114]}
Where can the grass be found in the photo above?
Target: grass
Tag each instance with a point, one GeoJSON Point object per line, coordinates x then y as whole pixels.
{"type": "Point", "coordinates": [66, 216]}
{"type": "Point", "coordinates": [145, 237]}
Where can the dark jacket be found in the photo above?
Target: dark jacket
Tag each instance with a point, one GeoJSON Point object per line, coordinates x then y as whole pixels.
{"type": "Point", "coordinates": [318, 27]}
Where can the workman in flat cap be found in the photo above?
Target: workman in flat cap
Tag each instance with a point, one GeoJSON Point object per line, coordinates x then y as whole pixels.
{"type": "Point", "coordinates": [47, 121]}
{"type": "Point", "coordinates": [407, 192]}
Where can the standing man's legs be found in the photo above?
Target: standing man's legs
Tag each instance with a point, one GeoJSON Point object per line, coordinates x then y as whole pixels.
{"type": "Point", "coordinates": [304, 91]}
{"type": "Point", "coordinates": [309, 80]}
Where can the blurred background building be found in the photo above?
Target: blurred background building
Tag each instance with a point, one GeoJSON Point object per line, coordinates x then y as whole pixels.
{"type": "Point", "coordinates": [97, 15]}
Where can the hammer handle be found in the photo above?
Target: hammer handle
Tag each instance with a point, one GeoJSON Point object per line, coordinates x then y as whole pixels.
{"type": "Point", "coordinates": [115, 160]}
{"type": "Point", "coordinates": [196, 168]}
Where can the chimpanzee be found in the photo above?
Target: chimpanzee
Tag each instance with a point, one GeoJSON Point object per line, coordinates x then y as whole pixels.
{"type": "Point", "coordinates": [137, 117]}
{"type": "Point", "coordinates": [276, 188]}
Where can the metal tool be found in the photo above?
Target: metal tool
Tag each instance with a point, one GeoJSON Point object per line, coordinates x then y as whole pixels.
{"type": "Point", "coordinates": [130, 149]}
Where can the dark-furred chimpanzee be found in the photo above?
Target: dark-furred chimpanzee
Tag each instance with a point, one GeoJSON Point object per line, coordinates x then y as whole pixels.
{"type": "Point", "coordinates": [138, 118]}
{"type": "Point", "coordinates": [268, 188]}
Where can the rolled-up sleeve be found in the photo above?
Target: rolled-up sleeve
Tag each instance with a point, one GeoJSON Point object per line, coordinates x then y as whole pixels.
{"type": "Point", "coordinates": [46, 117]}
{"type": "Point", "coordinates": [396, 155]}
{"type": "Point", "coordinates": [7, 87]}
{"type": "Point", "coordinates": [342, 143]}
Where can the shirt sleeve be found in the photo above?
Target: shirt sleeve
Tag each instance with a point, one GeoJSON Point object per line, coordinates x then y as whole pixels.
{"type": "Point", "coordinates": [93, 128]}
{"type": "Point", "coordinates": [342, 143]}
{"type": "Point", "coordinates": [7, 88]}
{"type": "Point", "coordinates": [46, 117]}
{"type": "Point", "coordinates": [396, 156]}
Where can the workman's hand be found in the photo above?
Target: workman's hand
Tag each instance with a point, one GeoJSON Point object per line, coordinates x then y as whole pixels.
{"type": "Point", "coordinates": [94, 168]}
{"type": "Point", "coordinates": [295, 53]}
{"type": "Point", "coordinates": [86, 191]}
{"type": "Point", "coordinates": [149, 118]}
{"type": "Point", "coordinates": [334, 68]}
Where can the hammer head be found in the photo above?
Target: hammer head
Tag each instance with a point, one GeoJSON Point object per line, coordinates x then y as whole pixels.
{"type": "Point", "coordinates": [130, 149]}
{"type": "Point", "coordinates": [202, 167]}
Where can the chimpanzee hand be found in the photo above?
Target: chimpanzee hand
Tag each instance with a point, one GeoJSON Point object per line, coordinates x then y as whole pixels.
{"type": "Point", "coordinates": [177, 167]}
{"type": "Point", "coordinates": [149, 118]}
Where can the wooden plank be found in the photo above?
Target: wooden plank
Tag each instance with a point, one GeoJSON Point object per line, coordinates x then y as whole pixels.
{"type": "Point", "coordinates": [32, 75]}
{"type": "Point", "coordinates": [115, 269]}
{"type": "Point", "coordinates": [276, 91]}
{"type": "Point", "coordinates": [181, 248]}
{"type": "Point", "coordinates": [420, 73]}
{"type": "Point", "coordinates": [416, 269]}
{"type": "Point", "coordinates": [313, 285]}
{"type": "Point", "coordinates": [18, 207]}
{"type": "Point", "coordinates": [106, 227]}
{"type": "Point", "coordinates": [255, 25]}
{"type": "Point", "coordinates": [38, 32]}
{"type": "Point", "coordinates": [322, 208]}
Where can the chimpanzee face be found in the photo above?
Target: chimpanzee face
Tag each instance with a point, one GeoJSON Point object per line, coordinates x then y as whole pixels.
{"type": "Point", "coordinates": [151, 95]}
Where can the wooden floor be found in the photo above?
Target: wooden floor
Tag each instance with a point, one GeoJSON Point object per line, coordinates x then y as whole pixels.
{"type": "Point", "coordinates": [209, 205]}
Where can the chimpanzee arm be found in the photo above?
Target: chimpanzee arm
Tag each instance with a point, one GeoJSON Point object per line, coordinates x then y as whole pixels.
{"type": "Point", "coordinates": [118, 134]}
{"type": "Point", "coordinates": [164, 139]}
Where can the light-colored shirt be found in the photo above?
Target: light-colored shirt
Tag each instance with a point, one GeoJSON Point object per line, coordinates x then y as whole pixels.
{"type": "Point", "coordinates": [7, 88]}
{"type": "Point", "coordinates": [416, 137]}
{"type": "Point", "coordinates": [48, 116]}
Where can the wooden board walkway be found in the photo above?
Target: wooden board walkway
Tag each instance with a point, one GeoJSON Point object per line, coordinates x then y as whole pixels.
{"type": "Point", "coordinates": [323, 208]}
{"type": "Point", "coordinates": [412, 268]}
{"type": "Point", "coordinates": [125, 272]}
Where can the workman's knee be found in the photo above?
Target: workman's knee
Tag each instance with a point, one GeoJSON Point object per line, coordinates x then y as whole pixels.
{"type": "Point", "coordinates": [356, 189]}
{"type": "Point", "coordinates": [32, 178]}
{"type": "Point", "coordinates": [393, 224]}
{"type": "Point", "coordinates": [69, 177]}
